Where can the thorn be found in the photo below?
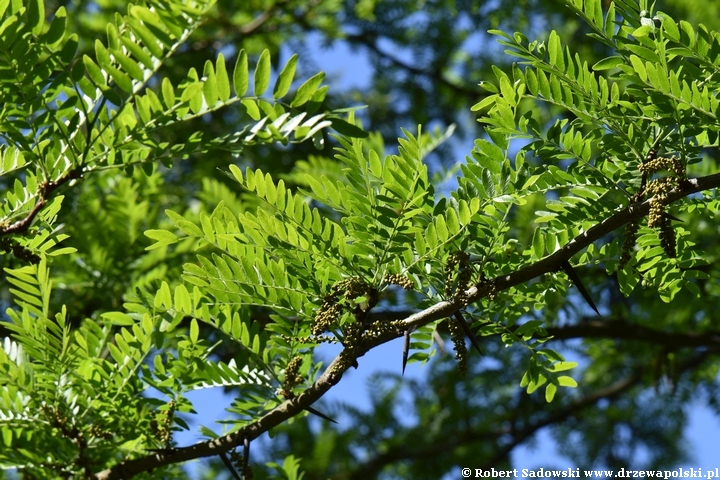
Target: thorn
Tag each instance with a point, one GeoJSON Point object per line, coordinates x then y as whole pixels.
{"type": "Point", "coordinates": [246, 457]}
{"type": "Point", "coordinates": [671, 217]}
{"type": "Point", "coordinates": [570, 271]}
{"type": "Point", "coordinates": [468, 332]}
{"type": "Point", "coordinates": [406, 349]}
{"type": "Point", "coordinates": [319, 414]}
{"type": "Point", "coordinates": [229, 466]}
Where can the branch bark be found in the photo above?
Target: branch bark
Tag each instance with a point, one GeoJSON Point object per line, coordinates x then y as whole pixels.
{"type": "Point", "coordinates": [333, 373]}
{"type": "Point", "coordinates": [622, 330]}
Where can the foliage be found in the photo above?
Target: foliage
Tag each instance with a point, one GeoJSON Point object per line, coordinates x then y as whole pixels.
{"type": "Point", "coordinates": [233, 281]}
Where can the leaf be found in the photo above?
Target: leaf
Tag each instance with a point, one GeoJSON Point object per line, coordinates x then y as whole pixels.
{"type": "Point", "coordinates": [162, 237]}
{"type": "Point", "coordinates": [346, 128]}
{"type": "Point", "coordinates": [538, 244]}
{"type": "Point", "coordinates": [121, 79]}
{"type": "Point", "coordinates": [306, 91]}
{"type": "Point", "coordinates": [221, 78]}
{"type": "Point", "coordinates": [36, 15]}
{"type": "Point", "coordinates": [57, 29]}
{"type": "Point", "coordinates": [642, 31]}
{"type": "Point", "coordinates": [491, 157]}
{"type": "Point", "coordinates": [441, 228]}
{"type": "Point", "coordinates": [118, 318]}
{"type": "Point", "coordinates": [285, 78]}
{"type": "Point", "coordinates": [168, 93]}
{"type": "Point", "coordinates": [262, 73]}
{"type": "Point", "coordinates": [565, 381]}
{"type": "Point", "coordinates": [194, 330]}
{"type": "Point", "coordinates": [550, 392]}
{"type": "Point", "coordinates": [670, 28]}
{"type": "Point", "coordinates": [94, 71]}
{"type": "Point", "coordinates": [210, 89]}
{"type": "Point", "coordinates": [138, 52]}
{"type": "Point", "coordinates": [146, 36]}
{"type": "Point", "coordinates": [608, 63]}
{"type": "Point", "coordinates": [240, 74]}
{"type": "Point", "coordinates": [610, 20]}
{"type": "Point", "coordinates": [555, 51]}
{"type": "Point", "coordinates": [562, 366]}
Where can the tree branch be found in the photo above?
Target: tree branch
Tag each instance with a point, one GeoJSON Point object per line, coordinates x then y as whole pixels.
{"type": "Point", "coordinates": [45, 190]}
{"type": "Point", "coordinates": [347, 357]}
{"type": "Point", "coordinates": [622, 330]}
{"type": "Point", "coordinates": [374, 466]}
{"type": "Point", "coordinates": [252, 26]}
{"type": "Point", "coordinates": [473, 94]}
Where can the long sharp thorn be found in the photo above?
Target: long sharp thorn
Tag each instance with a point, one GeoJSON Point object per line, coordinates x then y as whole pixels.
{"type": "Point", "coordinates": [468, 332]}
{"type": "Point", "coordinates": [406, 349]}
{"type": "Point", "coordinates": [246, 457]}
{"type": "Point", "coordinates": [671, 217]}
{"type": "Point", "coordinates": [229, 466]}
{"type": "Point", "coordinates": [321, 415]}
{"type": "Point", "coordinates": [570, 271]}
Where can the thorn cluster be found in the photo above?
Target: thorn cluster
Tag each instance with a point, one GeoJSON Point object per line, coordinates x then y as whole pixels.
{"type": "Point", "coordinates": [399, 280]}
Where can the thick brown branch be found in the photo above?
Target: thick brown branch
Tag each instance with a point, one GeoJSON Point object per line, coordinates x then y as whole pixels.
{"type": "Point", "coordinates": [340, 364]}
{"type": "Point", "coordinates": [623, 330]}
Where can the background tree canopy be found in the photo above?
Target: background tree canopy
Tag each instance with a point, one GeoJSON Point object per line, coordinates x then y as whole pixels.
{"type": "Point", "coordinates": [189, 203]}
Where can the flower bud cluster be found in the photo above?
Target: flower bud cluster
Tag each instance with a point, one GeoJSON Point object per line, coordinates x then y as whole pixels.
{"type": "Point", "coordinates": [659, 189]}
{"type": "Point", "coordinates": [399, 280]}
{"type": "Point", "coordinates": [331, 308]}
{"type": "Point", "coordinates": [293, 377]}
{"type": "Point", "coordinates": [161, 423]}
{"type": "Point", "coordinates": [98, 431]}
{"type": "Point", "coordinates": [458, 338]}
{"type": "Point", "coordinates": [631, 231]}
{"type": "Point", "coordinates": [460, 261]}
{"type": "Point", "coordinates": [672, 164]}
{"type": "Point", "coordinates": [667, 238]}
